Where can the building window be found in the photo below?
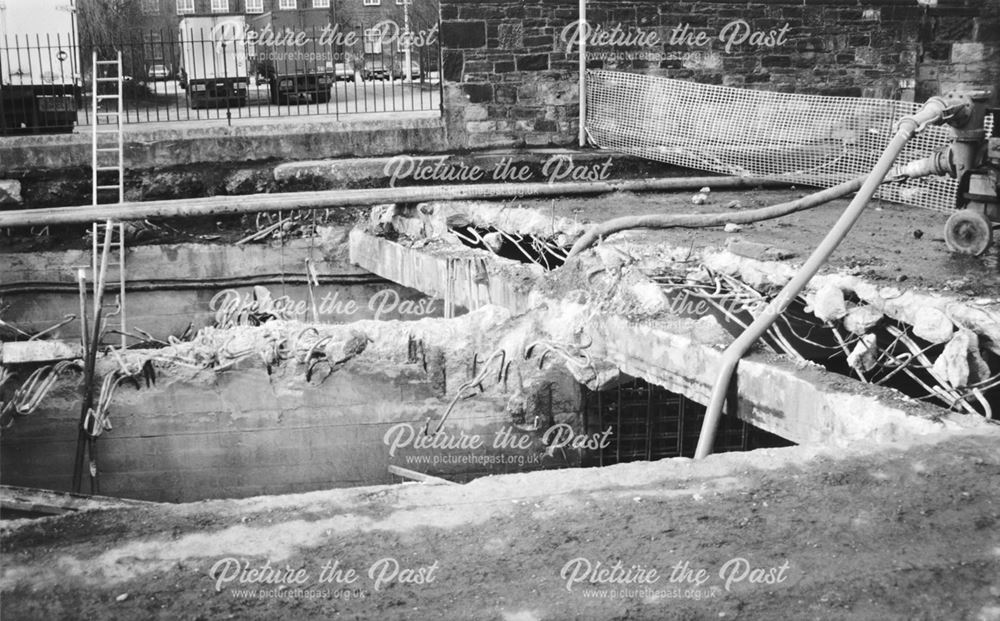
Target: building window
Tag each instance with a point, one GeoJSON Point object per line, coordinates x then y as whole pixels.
{"type": "Point", "coordinates": [220, 6]}
{"type": "Point", "coordinates": [255, 6]}
{"type": "Point", "coordinates": [321, 4]}
{"type": "Point", "coordinates": [185, 6]}
{"type": "Point", "coordinates": [372, 2]}
{"type": "Point", "coordinates": [151, 7]}
{"type": "Point", "coordinates": [402, 2]}
{"type": "Point", "coordinates": [373, 40]}
{"type": "Point", "coordinates": [154, 45]}
{"type": "Point", "coordinates": [287, 5]}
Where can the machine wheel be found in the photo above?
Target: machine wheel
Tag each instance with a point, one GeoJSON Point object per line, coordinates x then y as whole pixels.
{"type": "Point", "coordinates": [968, 232]}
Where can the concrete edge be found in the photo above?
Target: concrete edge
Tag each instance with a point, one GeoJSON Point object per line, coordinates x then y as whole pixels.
{"type": "Point", "coordinates": [25, 155]}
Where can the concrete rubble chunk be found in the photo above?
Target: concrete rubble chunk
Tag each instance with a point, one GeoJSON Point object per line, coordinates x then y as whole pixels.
{"type": "Point", "coordinates": [649, 296]}
{"type": "Point", "coordinates": [10, 192]}
{"type": "Point", "coordinates": [961, 363]}
{"type": "Point", "coordinates": [861, 319]}
{"type": "Point", "coordinates": [828, 303]}
{"type": "Point", "coordinates": [952, 365]}
{"type": "Point", "coordinates": [932, 325]}
{"type": "Point", "coordinates": [864, 355]}
{"type": "Point", "coordinates": [494, 241]}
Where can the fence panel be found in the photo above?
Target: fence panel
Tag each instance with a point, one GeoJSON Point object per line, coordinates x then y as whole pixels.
{"type": "Point", "coordinates": [231, 71]}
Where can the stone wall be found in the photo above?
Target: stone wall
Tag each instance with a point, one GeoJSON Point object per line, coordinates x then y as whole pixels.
{"type": "Point", "coordinates": [511, 79]}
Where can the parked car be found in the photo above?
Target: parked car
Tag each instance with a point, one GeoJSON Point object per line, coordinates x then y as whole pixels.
{"type": "Point", "coordinates": [158, 73]}
{"type": "Point", "coordinates": [377, 70]}
{"type": "Point", "coordinates": [374, 70]}
{"type": "Point", "coordinates": [399, 70]}
{"type": "Point", "coordinates": [343, 71]}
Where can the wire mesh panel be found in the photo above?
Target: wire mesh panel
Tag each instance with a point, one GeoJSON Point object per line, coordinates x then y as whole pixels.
{"type": "Point", "coordinates": [812, 139]}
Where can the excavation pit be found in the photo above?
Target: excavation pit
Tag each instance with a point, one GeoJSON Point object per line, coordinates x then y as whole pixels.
{"type": "Point", "coordinates": [260, 425]}
{"type": "Point", "coordinates": [592, 346]}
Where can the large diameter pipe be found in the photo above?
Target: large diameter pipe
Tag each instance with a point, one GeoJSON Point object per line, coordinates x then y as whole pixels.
{"type": "Point", "coordinates": [932, 111]}
{"type": "Point", "coordinates": [253, 203]}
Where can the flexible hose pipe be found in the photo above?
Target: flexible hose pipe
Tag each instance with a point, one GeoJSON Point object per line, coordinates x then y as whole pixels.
{"type": "Point", "coordinates": [701, 220]}
{"type": "Point", "coordinates": [934, 111]}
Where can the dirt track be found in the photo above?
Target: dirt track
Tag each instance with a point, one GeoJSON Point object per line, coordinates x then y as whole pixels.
{"type": "Point", "coordinates": [890, 242]}
{"type": "Point", "coordinates": [899, 533]}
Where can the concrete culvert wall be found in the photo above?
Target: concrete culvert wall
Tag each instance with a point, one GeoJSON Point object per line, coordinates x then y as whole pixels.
{"type": "Point", "coordinates": [214, 426]}
{"type": "Point", "coordinates": [170, 287]}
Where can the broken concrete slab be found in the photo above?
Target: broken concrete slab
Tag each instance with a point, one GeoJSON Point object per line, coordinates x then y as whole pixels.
{"type": "Point", "coordinates": [756, 250]}
{"type": "Point", "coordinates": [804, 404]}
{"type": "Point", "coordinates": [28, 352]}
{"type": "Point", "coordinates": [911, 306]}
{"type": "Point", "coordinates": [32, 500]}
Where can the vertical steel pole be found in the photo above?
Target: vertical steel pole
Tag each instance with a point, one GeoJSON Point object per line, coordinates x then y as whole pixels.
{"type": "Point", "coordinates": [81, 279]}
{"type": "Point", "coordinates": [582, 44]}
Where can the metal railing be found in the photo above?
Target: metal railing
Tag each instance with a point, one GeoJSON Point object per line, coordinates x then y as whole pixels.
{"type": "Point", "coordinates": [217, 75]}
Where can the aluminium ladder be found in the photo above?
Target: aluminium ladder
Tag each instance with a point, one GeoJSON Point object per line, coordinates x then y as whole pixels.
{"type": "Point", "coordinates": [107, 157]}
{"type": "Point", "coordinates": [107, 143]}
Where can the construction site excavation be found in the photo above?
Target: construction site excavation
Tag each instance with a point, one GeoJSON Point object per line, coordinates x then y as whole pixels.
{"type": "Point", "coordinates": [512, 311]}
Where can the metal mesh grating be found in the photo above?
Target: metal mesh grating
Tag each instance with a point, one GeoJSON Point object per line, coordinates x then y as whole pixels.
{"type": "Point", "coordinates": [815, 140]}
{"type": "Point", "coordinates": [648, 422]}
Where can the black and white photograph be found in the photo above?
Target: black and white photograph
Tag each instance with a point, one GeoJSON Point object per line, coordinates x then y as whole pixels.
{"type": "Point", "coordinates": [500, 310]}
